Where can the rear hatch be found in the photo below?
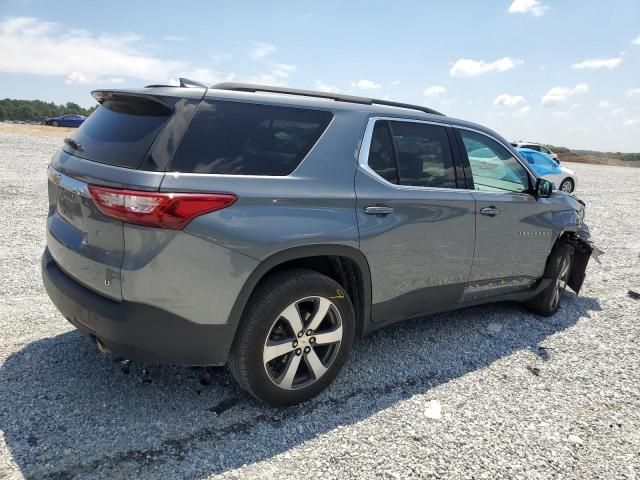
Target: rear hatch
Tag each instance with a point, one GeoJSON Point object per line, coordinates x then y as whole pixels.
{"type": "Point", "coordinates": [125, 143]}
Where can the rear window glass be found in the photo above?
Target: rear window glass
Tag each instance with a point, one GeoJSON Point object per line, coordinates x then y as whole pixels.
{"type": "Point", "coordinates": [119, 132]}
{"type": "Point", "coordinates": [248, 139]}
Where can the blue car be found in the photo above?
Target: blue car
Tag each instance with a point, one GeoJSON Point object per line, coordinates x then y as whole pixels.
{"type": "Point", "coordinates": [562, 177]}
{"type": "Point", "coordinates": [72, 120]}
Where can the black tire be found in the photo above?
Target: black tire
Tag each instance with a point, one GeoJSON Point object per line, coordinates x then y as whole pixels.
{"type": "Point", "coordinates": [547, 302]}
{"type": "Point", "coordinates": [570, 185]}
{"type": "Point", "coordinates": [55, 124]}
{"type": "Point", "coordinates": [261, 321]}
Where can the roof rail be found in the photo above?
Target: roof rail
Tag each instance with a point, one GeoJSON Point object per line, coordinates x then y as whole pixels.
{"type": "Point", "coordinates": [249, 87]}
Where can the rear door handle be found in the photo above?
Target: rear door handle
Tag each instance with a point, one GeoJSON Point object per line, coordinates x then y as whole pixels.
{"type": "Point", "coordinates": [378, 210]}
{"type": "Point", "coordinates": [490, 211]}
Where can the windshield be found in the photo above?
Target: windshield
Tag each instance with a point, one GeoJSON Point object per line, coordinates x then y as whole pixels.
{"type": "Point", "coordinates": [539, 160]}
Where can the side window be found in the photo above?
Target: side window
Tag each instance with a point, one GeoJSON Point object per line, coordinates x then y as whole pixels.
{"type": "Point", "coordinates": [545, 150]}
{"type": "Point", "coordinates": [424, 155]}
{"type": "Point", "coordinates": [237, 138]}
{"type": "Point", "coordinates": [493, 167]}
{"type": "Point", "coordinates": [381, 156]}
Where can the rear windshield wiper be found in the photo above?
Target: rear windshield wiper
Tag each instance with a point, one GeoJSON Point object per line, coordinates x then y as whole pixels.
{"type": "Point", "coordinates": [73, 144]}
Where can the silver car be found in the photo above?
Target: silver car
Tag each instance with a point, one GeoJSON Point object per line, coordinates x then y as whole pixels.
{"type": "Point", "coordinates": [267, 228]}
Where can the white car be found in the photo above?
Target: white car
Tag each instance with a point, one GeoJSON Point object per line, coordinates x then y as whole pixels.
{"type": "Point", "coordinates": [537, 147]}
{"type": "Point", "coordinates": [562, 177]}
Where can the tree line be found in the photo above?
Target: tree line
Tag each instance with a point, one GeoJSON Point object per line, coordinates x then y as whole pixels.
{"type": "Point", "coordinates": [37, 110]}
{"type": "Point", "coordinates": [627, 157]}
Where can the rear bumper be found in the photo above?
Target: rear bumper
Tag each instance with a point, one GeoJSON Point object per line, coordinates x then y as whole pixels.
{"type": "Point", "coordinates": [133, 330]}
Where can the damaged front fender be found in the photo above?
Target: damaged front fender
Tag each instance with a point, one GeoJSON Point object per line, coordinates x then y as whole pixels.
{"type": "Point", "coordinates": [583, 250]}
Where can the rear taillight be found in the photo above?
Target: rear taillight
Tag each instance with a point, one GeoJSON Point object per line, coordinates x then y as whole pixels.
{"type": "Point", "coordinates": [155, 209]}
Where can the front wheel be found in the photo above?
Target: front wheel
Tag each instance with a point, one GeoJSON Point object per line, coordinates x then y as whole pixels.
{"type": "Point", "coordinates": [558, 269]}
{"type": "Point", "coordinates": [294, 338]}
{"type": "Point", "coordinates": [567, 185]}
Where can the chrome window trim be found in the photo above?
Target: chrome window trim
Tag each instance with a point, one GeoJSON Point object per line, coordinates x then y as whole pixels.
{"type": "Point", "coordinates": [68, 183]}
{"type": "Point", "coordinates": [363, 156]}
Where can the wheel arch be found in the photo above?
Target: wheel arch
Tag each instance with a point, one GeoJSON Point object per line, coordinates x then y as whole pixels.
{"type": "Point", "coordinates": [347, 265]}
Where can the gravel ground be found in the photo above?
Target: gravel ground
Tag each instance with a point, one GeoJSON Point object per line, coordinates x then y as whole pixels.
{"type": "Point", "coordinates": [489, 392]}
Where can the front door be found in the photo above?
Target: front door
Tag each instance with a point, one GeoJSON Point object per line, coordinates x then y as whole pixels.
{"type": "Point", "coordinates": [513, 228]}
{"type": "Point", "coordinates": [416, 228]}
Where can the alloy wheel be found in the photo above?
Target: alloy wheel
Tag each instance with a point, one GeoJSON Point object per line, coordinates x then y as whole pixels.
{"type": "Point", "coordinates": [567, 186]}
{"type": "Point", "coordinates": [302, 343]}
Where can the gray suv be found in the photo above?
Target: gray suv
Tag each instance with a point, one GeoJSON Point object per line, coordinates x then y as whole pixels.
{"type": "Point", "coordinates": [267, 228]}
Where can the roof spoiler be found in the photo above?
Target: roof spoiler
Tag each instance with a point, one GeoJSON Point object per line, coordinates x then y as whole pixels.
{"type": "Point", "coordinates": [249, 87]}
{"type": "Point", "coordinates": [109, 95]}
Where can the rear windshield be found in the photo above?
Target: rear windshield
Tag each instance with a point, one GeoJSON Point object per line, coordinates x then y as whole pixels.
{"type": "Point", "coordinates": [119, 132]}
{"type": "Point", "coordinates": [248, 139]}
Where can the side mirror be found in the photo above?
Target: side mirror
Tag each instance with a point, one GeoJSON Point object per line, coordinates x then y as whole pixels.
{"type": "Point", "coordinates": [543, 188]}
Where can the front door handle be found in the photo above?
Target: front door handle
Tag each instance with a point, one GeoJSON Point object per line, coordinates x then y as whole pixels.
{"type": "Point", "coordinates": [490, 211]}
{"type": "Point", "coordinates": [378, 210]}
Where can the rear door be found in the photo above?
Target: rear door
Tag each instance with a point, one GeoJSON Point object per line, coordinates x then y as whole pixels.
{"type": "Point", "coordinates": [108, 149]}
{"type": "Point", "coordinates": [513, 228]}
{"type": "Point", "coordinates": [416, 226]}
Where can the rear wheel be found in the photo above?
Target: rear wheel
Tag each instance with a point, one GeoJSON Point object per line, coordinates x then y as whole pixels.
{"type": "Point", "coordinates": [567, 185]}
{"type": "Point", "coordinates": [294, 338]}
{"type": "Point", "coordinates": [558, 270]}
{"type": "Point", "coordinates": [55, 124]}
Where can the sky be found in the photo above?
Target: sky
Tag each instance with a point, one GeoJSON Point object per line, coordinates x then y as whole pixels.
{"type": "Point", "coordinates": [554, 71]}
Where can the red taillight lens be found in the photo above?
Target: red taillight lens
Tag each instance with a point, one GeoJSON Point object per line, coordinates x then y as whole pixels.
{"type": "Point", "coordinates": [155, 209]}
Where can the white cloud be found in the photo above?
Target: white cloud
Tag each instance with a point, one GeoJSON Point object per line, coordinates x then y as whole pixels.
{"type": "Point", "coordinates": [558, 95]}
{"type": "Point", "coordinates": [561, 115]}
{"type": "Point", "coordinates": [465, 67]}
{"type": "Point", "coordinates": [37, 47]}
{"type": "Point", "coordinates": [508, 101]}
{"type": "Point", "coordinates": [631, 121]}
{"type": "Point", "coordinates": [528, 6]}
{"type": "Point", "coordinates": [366, 84]}
{"type": "Point", "coordinates": [282, 70]}
{"type": "Point", "coordinates": [616, 111]}
{"type": "Point", "coordinates": [78, 78]}
{"type": "Point", "coordinates": [323, 87]}
{"type": "Point", "coordinates": [634, 92]}
{"type": "Point", "coordinates": [175, 38]}
{"type": "Point", "coordinates": [395, 82]}
{"type": "Point", "coordinates": [262, 49]}
{"type": "Point", "coordinates": [521, 112]}
{"type": "Point", "coordinates": [597, 63]}
{"type": "Point", "coordinates": [636, 41]}
{"type": "Point", "coordinates": [434, 91]}
{"type": "Point", "coordinates": [604, 104]}
{"type": "Point", "coordinates": [276, 74]}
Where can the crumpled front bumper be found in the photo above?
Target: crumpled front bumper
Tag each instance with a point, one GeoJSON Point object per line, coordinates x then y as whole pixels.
{"type": "Point", "coordinates": [583, 250]}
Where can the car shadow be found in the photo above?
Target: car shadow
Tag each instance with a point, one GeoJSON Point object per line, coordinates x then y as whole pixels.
{"type": "Point", "coordinates": [66, 411]}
